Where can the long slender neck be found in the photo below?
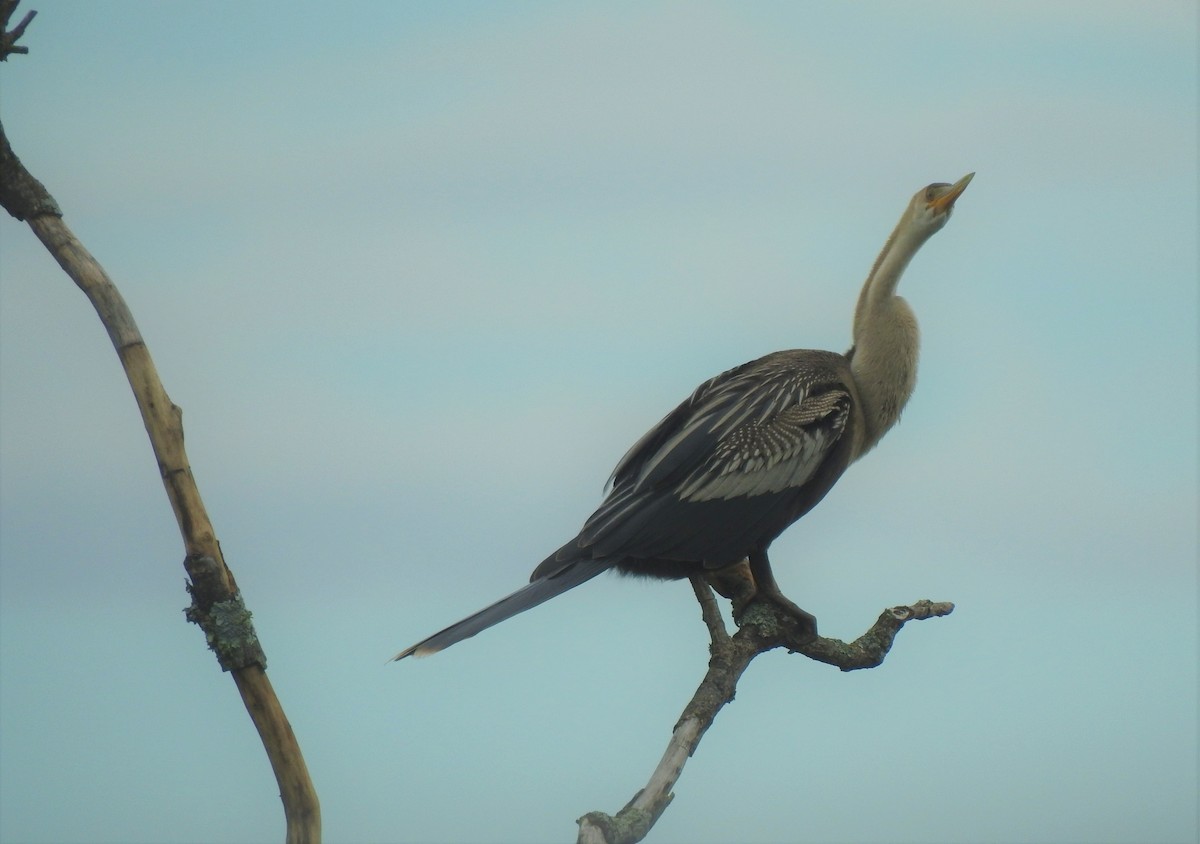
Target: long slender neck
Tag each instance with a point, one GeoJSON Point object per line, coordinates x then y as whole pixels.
{"type": "Point", "coordinates": [886, 338]}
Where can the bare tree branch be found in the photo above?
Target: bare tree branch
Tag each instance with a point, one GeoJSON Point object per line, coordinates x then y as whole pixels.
{"type": "Point", "coordinates": [710, 612]}
{"type": "Point", "coordinates": [764, 627]}
{"type": "Point", "coordinates": [216, 602]}
{"type": "Point", "coordinates": [8, 37]}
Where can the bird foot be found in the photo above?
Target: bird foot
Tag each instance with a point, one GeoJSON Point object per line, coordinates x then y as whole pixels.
{"type": "Point", "coordinates": [806, 622]}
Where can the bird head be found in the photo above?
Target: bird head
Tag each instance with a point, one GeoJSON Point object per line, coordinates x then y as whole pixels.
{"type": "Point", "coordinates": [931, 206]}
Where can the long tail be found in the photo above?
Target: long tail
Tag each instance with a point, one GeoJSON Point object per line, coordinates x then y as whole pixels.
{"type": "Point", "coordinates": [538, 591]}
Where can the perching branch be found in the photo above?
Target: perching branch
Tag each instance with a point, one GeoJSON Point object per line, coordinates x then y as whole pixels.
{"type": "Point", "coordinates": [764, 627]}
{"type": "Point", "coordinates": [216, 602]}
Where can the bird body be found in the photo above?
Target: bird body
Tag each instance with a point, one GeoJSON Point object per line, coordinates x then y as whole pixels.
{"type": "Point", "coordinates": [748, 453]}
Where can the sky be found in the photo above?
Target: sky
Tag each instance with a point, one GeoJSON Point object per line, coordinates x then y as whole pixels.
{"type": "Point", "coordinates": [418, 274]}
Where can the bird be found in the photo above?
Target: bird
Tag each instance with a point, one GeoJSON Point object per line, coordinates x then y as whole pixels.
{"type": "Point", "coordinates": [708, 489]}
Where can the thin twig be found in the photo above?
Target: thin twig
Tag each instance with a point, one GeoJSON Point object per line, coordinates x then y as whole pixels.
{"type": "Point", "coordinates": [8, 37]}
{"type": "Point", "coordinates": [710, 612]}
{"type": "Point", "coordinates": [869, 649]}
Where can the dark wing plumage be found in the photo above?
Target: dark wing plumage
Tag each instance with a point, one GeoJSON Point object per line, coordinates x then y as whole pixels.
{"type": "Point", "coordinates": [723, 470]}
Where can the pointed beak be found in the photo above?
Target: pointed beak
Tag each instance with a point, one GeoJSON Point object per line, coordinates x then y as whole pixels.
{"type": "Point", "coordinates": [946, 201]}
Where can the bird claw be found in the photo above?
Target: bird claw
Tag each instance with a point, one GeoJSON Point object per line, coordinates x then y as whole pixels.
{"type": "Point", "coordinates": [806, 622]}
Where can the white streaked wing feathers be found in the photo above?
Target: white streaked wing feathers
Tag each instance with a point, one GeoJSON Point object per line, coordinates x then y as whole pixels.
{"type": "Point", "coordinates": [773, 454]}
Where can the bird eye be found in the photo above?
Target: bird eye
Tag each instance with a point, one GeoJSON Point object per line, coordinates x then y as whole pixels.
{"type": "Point", "coordinates": [934, 191]}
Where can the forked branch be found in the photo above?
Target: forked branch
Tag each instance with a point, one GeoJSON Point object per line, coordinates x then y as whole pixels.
{"type": "Point", "coordinates": [9, 37]}
{"type": "Point", "coordinates": [763, 628]}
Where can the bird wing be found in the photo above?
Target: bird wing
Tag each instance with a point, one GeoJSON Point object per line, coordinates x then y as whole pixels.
{"type": "Point", "coordinates": [763, 427]}
{"type": "Point", "coordinates": [773, 452]}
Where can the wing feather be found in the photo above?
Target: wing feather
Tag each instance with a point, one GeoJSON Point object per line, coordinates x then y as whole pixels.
{"type": "Point", "coordinates": [764, 427]}
{"type": "Point", "coordinates": [771, 454]}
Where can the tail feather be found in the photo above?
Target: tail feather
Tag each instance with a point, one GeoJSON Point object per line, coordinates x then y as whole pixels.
{"type": "Point", "coordinates": [536, 592]}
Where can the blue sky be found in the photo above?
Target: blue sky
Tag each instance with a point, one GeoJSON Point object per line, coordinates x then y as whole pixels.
{"type": "Point", "coordinates": [418, 274]}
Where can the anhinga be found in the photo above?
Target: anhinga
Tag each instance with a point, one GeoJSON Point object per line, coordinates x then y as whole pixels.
{"type": "Point", "coordinates": [750, 452]}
